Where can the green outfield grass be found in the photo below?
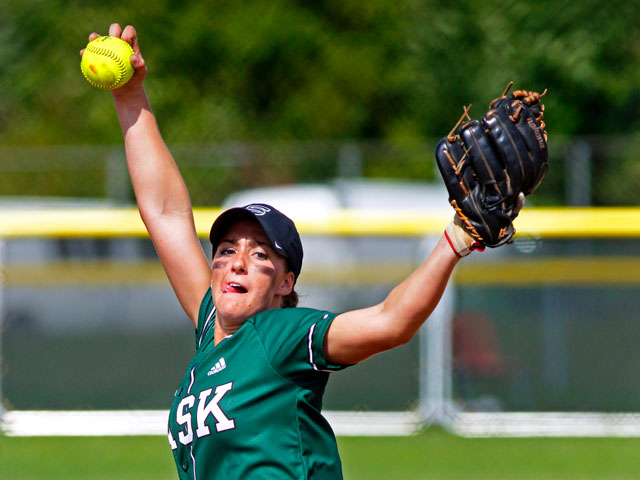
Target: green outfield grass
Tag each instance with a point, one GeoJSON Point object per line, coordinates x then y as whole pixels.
{"type": "Point", "coordinates": [432, 455]}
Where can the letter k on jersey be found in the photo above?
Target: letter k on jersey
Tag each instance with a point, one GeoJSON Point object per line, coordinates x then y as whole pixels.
{"type": "Point", "coordinates": [203, 411]}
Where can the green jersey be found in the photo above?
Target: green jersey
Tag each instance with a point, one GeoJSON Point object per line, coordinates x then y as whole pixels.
{"type": "Point", "coordinates": [249, 407]}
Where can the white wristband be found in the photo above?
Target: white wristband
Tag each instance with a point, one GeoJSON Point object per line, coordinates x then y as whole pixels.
{"type": "Point", "coordinates": [460, 241]}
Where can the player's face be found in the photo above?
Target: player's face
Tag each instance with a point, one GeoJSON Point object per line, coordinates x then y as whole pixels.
{"type": "Point", "coordinates": [248, 276]}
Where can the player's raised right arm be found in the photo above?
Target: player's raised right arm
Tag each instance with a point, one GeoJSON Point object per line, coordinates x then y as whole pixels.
{"type": "Point", "coordinates": [161, 195]}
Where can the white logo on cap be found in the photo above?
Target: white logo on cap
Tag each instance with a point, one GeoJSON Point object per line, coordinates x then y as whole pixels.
{"type": "Point", "coordinates": [258, 210]}
{"type": "Point", "coordinates": [277, 245]}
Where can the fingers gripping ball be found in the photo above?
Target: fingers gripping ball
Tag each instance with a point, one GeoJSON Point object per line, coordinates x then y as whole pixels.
{"type": "Point", "coordinates": [105, 63]}
{"type": "Point", "coordinates": [492, 163]}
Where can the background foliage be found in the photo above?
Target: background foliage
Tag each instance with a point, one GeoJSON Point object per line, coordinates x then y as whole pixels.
{"type": "Point", "coordinates": [276, 87]}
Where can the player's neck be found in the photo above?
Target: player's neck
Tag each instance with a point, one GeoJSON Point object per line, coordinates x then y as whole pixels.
{"type": "Point", "coordinates": [224, 329]}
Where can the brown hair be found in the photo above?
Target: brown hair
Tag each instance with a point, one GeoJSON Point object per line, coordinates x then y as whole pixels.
{"type": "Point", "coordinates": [291, 300]}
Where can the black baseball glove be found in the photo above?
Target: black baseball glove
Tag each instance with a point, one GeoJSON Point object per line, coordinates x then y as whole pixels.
{"type": "Point", "coordinates": [491, 164]}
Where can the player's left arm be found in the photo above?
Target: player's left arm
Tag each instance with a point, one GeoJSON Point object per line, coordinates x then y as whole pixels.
{"type": "Point", "coordinates": [488, 169]}
{"type": "Point", "coordinates": [359, 334]}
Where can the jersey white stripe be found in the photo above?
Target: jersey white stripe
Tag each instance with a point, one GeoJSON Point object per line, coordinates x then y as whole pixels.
{"type": "Point", "coordinates": [193, 460]}
{"type": "Point", "coordinates": [193, 377]}
{"type": "Point", "coordinates": [310, 346]}
{"type": "Point", "coordinates": [204, 327]}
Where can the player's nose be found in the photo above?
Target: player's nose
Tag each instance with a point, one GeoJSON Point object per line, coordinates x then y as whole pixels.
{"type": "Point", "coordinates": [239, 263]}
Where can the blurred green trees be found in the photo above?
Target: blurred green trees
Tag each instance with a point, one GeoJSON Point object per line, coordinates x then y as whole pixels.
{"type": "Point", "coordinates": [263, 72]}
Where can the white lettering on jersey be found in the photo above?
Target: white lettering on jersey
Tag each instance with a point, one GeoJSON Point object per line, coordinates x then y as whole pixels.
{"type": "Point", "coordinates": [212, 408]}
{"type": "Point", "coordinates": [172, 442]}
{"type": "Point", "coordinates": [184, 418]}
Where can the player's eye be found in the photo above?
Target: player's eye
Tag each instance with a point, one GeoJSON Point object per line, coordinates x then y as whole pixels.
{"type": "Point", "coordinates": [226, 251]}
{"type": "Point", "coordinates": [261, 255]}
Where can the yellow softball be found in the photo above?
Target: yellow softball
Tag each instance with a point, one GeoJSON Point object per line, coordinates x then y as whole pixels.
{"type": "Point", "coordinates": [105, 62]}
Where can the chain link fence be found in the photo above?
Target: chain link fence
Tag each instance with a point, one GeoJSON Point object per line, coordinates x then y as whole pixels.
{"type": "Point", "coordinates": [580, 171]}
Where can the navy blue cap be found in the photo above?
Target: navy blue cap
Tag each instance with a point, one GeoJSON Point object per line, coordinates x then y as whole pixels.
{"type": "Point", "coordinates": [280, 230]}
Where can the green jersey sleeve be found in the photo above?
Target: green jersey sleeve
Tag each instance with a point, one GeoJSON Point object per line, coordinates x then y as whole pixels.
{"type": "Point", "coordinates": [293, 340]}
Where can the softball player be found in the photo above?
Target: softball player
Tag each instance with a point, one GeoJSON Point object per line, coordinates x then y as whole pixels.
{"type": "Point", "coordinates": [249, 404]}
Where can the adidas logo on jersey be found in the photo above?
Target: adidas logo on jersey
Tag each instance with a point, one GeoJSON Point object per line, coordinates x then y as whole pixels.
{"type": "Point", "coordinates": [219, 366]}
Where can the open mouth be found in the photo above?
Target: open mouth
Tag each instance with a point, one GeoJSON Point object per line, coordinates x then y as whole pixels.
{"type": "Point", "coordinates": [232, 287]}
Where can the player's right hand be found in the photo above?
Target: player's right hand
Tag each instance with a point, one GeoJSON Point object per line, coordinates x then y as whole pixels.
{"type": "Point", "coordinates": [129, 35]}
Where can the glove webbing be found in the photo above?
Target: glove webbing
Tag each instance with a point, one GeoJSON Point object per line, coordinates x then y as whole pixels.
{"type": "Point", "coordinates": [525, 97]}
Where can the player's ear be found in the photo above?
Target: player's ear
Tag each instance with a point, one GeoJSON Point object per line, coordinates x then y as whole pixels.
{"type": "Point", "coordinates": [286, 285]}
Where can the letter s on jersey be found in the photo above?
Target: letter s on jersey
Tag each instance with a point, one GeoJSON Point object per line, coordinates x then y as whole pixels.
{"type": "Point", "coordinates": [202, 413]}
{"type": "Point", "coordinates": [184, 418]}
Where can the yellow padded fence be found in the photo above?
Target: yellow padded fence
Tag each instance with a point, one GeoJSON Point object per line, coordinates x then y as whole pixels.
{"type": "Point", "coordinates": [122, 222]}
{"type": "Point", "coordinates": [536, 222]}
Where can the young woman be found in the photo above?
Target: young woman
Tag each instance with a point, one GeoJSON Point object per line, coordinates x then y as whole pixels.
{"type": "Point", "coordinates": [249, 404]}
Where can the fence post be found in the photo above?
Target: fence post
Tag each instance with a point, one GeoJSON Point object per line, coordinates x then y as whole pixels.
{"type": "Point", "coordinates": [578, 186]}
{"type": "Point", "coordinates": [349, 161]}
{"type": "Point", "coordinates": [3, 284]}
{"type": "Point", "coordinates": [436, 357]}
{"type": "Point", "coordinates": [116, 177]}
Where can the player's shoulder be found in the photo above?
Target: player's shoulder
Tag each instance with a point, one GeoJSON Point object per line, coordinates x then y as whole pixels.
{"type": "Point", "coordinates": [291, 331]}
{"type": "Point", "coordinates": [289, 318]}
{"type": "Point", "coordinates": [284, 314]}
